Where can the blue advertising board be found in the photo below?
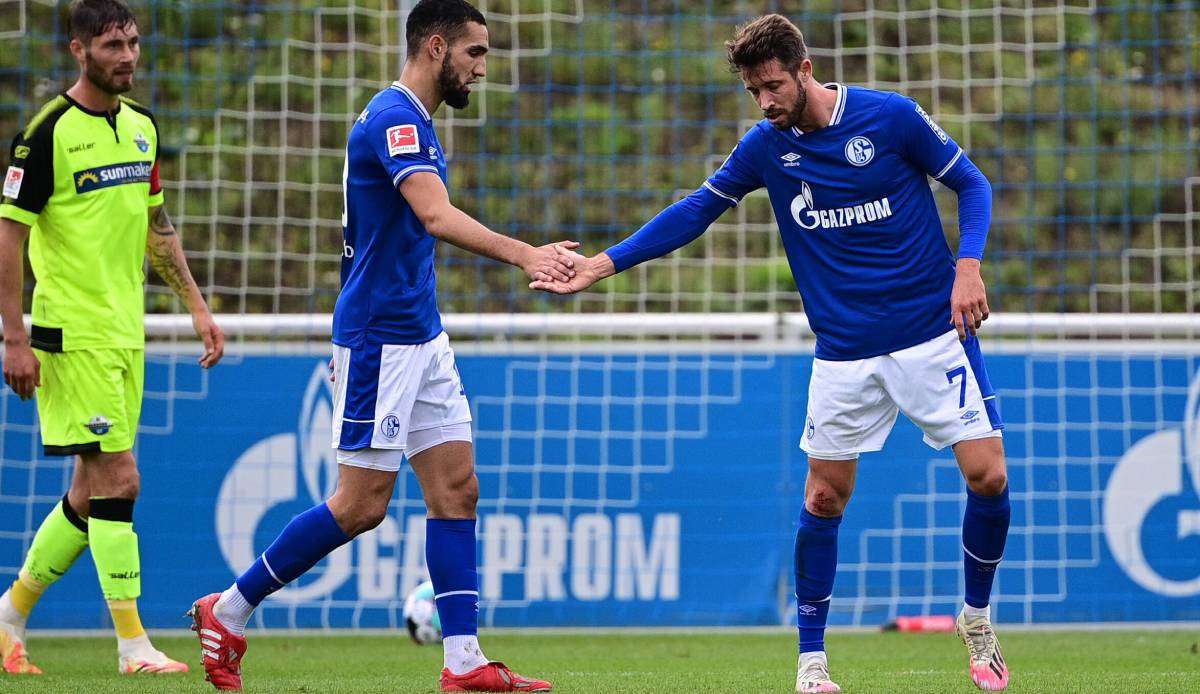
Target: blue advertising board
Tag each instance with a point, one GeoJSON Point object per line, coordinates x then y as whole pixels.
{"type": "Point", "coordinates": [654, 489]}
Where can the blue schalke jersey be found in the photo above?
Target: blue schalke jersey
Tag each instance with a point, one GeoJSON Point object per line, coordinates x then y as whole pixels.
{"type": "Point", "coordinates": [388, 279]}
{"type": "Point", "coordinates": [858, 219]}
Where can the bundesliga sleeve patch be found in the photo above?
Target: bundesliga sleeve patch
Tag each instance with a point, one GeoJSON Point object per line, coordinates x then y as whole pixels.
{"type": "Point", "coordinates": [12, 182]}
{"type": "Point", "coordinates": [402, 139]}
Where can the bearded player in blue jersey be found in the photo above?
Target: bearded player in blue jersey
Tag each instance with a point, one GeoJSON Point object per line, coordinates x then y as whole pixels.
{"type": "Point", "coordinates": [894, 313]}
{"type": "Point", "coordinates": [397, 392]}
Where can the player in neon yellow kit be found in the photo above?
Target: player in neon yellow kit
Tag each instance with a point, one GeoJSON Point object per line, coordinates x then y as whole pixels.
{"type": "Point", "coordinates": [84, 188]}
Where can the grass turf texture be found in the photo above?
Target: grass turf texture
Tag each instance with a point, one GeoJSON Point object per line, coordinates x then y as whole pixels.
{"type": "Point", "coordinates": [1093, 661]}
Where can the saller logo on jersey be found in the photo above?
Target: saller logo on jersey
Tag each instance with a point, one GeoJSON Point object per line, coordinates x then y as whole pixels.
{"type": "Point", "coordinates": [402, 139]}
{"type": "Point", "coordinates": [112, 175]}
{"type": "Point", "coordinates": [805, 214]}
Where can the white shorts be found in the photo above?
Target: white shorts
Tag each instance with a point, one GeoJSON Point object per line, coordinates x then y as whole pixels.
{"type": "Point", "coordinates": [941, 385]}
{"type": "Point", "coordinates": [403, 398]}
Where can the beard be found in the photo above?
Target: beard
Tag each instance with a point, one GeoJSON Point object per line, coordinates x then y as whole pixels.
{"type": "Point", "coordinates": [794, 114]}
{"type": "Point", "coordinates": [454, 91]}
{"type": "Point", "coordinates": [105, 82]}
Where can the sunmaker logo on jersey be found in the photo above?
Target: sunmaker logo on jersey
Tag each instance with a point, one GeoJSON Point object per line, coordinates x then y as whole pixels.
{"type": "Point", "coordinates": [112, 175]}
{"type": "Point", "coordinates": [806, 214]}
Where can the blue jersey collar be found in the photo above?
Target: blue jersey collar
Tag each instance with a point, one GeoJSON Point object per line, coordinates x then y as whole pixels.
{"type": "Point", "coordinates": [839, 107]}
{"type": "Point", "coordinates": [413, 98]}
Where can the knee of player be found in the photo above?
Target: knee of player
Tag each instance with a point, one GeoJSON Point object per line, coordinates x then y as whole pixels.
{"type": "Point", "coordinates": [124, 483]}
{"type": "Point", "coordinates": [363, 518]}
{"type": "Point", "coordinates": [455, 498]}
{"type": "Point", "coordinates": [825, 501]}
{"type": "Point", "coordinates": [129, 484]}
{"type": "Point", "coordinates": [465, 494]}
{"type": "Point", "coordinates": [989, 482]}
{"type": "Point", "coordinates": [373, 517]}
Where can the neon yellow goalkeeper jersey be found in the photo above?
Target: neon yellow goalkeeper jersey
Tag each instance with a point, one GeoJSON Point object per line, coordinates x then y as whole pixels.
{"type": "Point", "coordinates": [84, 181]}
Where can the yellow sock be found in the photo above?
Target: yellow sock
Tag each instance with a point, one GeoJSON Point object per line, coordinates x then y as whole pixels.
{"type": "Point", "coordinates": [125, 618]}
{"type": "Point", "coordinates": [25, 593]}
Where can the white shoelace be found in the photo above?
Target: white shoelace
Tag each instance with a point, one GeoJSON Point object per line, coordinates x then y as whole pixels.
{"type": "Point", "coordinates": [981, 641]}
{"type": "Point", "coordinates": [817, 670]}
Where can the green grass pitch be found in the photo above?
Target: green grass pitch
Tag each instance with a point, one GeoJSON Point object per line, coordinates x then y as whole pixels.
{"type": "Point", "coordinates": [716, 661]}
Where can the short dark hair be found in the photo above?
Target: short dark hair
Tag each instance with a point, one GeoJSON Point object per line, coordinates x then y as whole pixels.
{"type": "Point", "coordinates": [87, 19]}
{"type": "Point", "coordinates": [446, 17]}
{"type": "Point", "coordinates": [769, 37]}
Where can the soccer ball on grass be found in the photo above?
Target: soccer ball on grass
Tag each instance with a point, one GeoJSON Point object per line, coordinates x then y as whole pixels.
{"type": "Point", "coordinates": [421, 616]}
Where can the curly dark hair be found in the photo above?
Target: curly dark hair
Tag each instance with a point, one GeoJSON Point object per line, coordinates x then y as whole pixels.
{"type": "Point", "coordinates": [769, 37]}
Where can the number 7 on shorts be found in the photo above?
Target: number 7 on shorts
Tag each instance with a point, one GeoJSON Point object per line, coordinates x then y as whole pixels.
{"type": "Point", "coordinates": [959, 372]}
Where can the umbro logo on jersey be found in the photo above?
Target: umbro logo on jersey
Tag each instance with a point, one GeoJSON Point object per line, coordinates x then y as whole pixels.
{"type": "Point", "coordinates": [112, 175]}
{"type": "Point", "coordinates": [791, 159]}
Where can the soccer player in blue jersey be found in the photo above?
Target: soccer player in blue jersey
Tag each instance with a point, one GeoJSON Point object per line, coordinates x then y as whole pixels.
{"type": "Point", "coordinates": [397, 392]}
{"type": "Point", "coordinates": [894, 312]}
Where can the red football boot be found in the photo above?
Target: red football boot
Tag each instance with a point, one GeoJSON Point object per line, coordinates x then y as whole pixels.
{"type": "Point", "coordinates": [221, 649]}
{"type": "Point", "coordinates": [493, 677]}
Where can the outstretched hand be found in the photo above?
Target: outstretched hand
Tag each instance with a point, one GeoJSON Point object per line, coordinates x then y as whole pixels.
{"type": "Point", "coordinates": [588, 271]}
{"type": "Point", "coordinates": [554, 261]}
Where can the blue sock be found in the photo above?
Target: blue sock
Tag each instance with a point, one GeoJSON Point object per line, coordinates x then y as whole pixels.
{"type": "Point", "coordinates": [816, 562]}
{"type": "Point", "coordinates": [985, 527]}
{"type": "Point", "coordinates": [450, 554]}
{"type": "Point", "coordinates": [304, 542]}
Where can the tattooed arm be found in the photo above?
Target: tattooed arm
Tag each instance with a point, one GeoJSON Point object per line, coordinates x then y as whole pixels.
{"type": "Point", "coordinates": [165, 252]}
